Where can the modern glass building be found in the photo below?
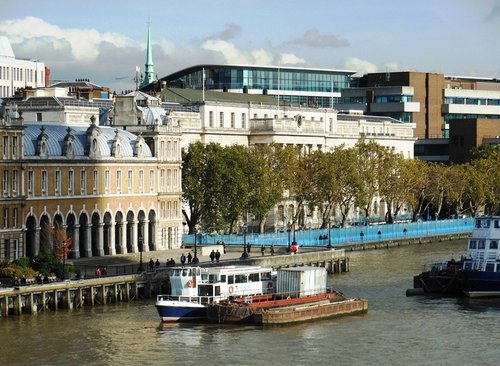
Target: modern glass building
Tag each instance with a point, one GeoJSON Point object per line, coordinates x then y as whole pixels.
{"type": "Point", "coordinates": [290, 85]}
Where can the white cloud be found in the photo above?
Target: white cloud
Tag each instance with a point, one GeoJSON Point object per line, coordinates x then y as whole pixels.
{"type": "Point", "coordinates": [83, 43]}
{"type": "Point", "coordinates": [262, 57]}
{"type": "Point", "coordinates": [231, 54]}
{"type": "Point", "coordinates": [291, 59]}
{"type": "Point", "coordinates": [361, 66]}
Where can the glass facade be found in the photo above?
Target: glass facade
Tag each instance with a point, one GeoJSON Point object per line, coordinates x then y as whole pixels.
{"type": "Point", "coordinates": [269, 80]}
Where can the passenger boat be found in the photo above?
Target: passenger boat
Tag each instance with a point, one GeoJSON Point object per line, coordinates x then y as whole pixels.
{"type": "Point", "coordinates": [191, 289]}
{"type": "Point", "coordinates": [476, 274]}
{"type": "Point", "coordinates": [301, 296]}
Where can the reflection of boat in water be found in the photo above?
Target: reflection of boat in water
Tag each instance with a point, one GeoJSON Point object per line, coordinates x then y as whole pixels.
{"type": "Point", "coordinates": [191, 289]}
{"type": "Point", "coordinates": [477, 274]}
{"type": "Point", "coordinates": [301, 296]}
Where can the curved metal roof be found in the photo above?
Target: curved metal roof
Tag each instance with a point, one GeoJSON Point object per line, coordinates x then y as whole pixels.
{"type": "Point", "coordinates": [57, 133]}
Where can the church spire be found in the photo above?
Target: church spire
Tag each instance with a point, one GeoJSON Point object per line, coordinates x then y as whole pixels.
{"type": "Point", "coordinates": [149, 71]}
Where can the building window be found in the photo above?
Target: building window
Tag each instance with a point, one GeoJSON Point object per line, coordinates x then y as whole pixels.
{"type": "Point", "coordinates": [5, 218]}
{"type": "Point", "coordinates": [169, 209]}
{"type": "Point", "coordinates": [211, 119]}
{"type": "Point", "coordinates": [151, 180]}
{"type": "Point", "coordinates": [169, 150]}
{"type": "Point", "coordinates": [58, 182]}
{"type": "Point", "coordinates": [71, 182]}
{"type": "Point", "coordinates": [169, 180]}
{"type": "Point", "coordinates": [176, 151]}
{"type": "Point", "coordinates": [95, 182]}
{"type": "Point", "coordinates": [45, 183]}
{"type": "Point", "coordinates": [162, 180]}
{"type": "Point", "coordinates": [232, 120]}
{"type": "Point", "coordinates": [83, 182]}
{"type": "Point", "coordinates": [141, 181]}
{"type": "Point", "coordinates": [162, 209]}
{"type": "Point", "coordinates": [119, 181]}
{"type": "Point", "coordinates": [14, 147]}
{"type": "Point", "coordinates": [15, 215]}
{"type": "Point", "coordinates": [175, 180]}
{"type": "Point", "coordinates": [5, 147]}
{"type": "Point", "coordinates": [106, 181]}
{"type": "Point", "coordinates": [162, 150]}
{"type": "Point", "coordinates": [31, 182]}
{"type": "Point", "coordinates": [15, 181]}
{"type": "Point", "coordinates": [39, 116]}
{"type": "Point", "coordinates": [243, 120]}
{"type": "Point", "coordinates": [130, 181]}
{"type": "Point", "coordinates": [221, 119]}
{"type": "Point", "coordinates": [5, 182]}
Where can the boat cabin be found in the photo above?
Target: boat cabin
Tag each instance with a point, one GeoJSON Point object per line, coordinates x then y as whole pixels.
{"type": "Point", "coordinates": [482, 249]}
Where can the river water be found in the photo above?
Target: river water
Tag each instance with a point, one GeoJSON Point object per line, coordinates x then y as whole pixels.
{"type": "Point", "coordinates": [397, 330]}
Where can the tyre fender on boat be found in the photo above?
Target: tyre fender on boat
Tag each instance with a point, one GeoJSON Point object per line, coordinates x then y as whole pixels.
{"type": "Point", "coordinates": [189, 283]}
{"type": "Point", "coordinates": [269, 285]}
{"type": "Point", "coordinates": [231, 289]}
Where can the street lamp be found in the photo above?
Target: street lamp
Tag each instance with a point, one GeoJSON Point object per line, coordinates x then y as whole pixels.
{"type": "Point", "coordinates": [141, 266]}
{"type": "Point", "coordinates": [244, 255]}
{"type": "Point", "coordinates": [64, 259]}
{"type": "Point", "coordinates": [288, 229]}
{"type": "Point", "coordinates": [195, 258]}
{"type": "Point", "coordinates": [329, 246]}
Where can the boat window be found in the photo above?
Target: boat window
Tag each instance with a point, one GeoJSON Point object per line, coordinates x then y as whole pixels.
{"type": "Point", "coordinates": [184, 272]}
{"type": "Point", "coordinates": [486, 223]}
{"type": "Point", "coordinates": [204, 277]}
{"type": "Point", "coordinates": [472, 244]}
{"type": "Point", "coordinates": [490, 267]}
{"type": "Point", "coordinates": [222, 278]}
{"type": "Point", "coordinates": [493, 244]}
{"type": "Point", "coordinates": [177, 272]}
{"type": "Point", "coordinates": [266, 276]}
{"type": "Point", "coordinates": [241, 278]}
{"type": "Point", "coordinates": [497, 224]}
{"type": "Point", "coordinates": [481, 244]}
{"type": "Point", "coordinates": [253, 277]}
{"type": "Point", "coordinates": [230, 279]}
{"type": "Point", "coordinates": [212, 278]}
{"type": "Point", "coordinates": [478, 223]}
{"type": "Point", "coordinates": [468, 265]}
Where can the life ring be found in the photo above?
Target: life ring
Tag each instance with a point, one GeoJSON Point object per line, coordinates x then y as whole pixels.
{"type": "Point", "coordinates": [190, 283]}
{"type": "Point", "coordinates": [231, 289]}
{"type": "Point", "coordinates": [269, 285]}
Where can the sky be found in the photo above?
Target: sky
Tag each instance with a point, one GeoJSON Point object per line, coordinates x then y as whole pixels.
{"type": "Point", "coordinates": [105, 41]}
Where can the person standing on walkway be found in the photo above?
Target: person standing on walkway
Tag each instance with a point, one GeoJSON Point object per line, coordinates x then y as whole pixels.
{"type": "Point", "coordinates": [183, 259]}
{"type": "Point", "coordinates": [151, 264]}
{"type": "Point", "coordinates": [217, 256]}
{"type": "Point", "coordinates": [189, 258]}
{"type": "Point", "coordinates": [262, 249]}
{"type": "Point", "coordinates": [272, 249]}
{"type": "Point", "coordinates": [157, 263]}
{"type": "Point", "coordinates": [212, 256]}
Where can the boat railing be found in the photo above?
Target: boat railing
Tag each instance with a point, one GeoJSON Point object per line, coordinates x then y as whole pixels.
{"type": "Point", "coordinates": [204, 300]}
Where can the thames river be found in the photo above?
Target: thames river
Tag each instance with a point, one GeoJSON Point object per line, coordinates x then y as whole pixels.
{"type": "Point", "coordinates": [397, 330]}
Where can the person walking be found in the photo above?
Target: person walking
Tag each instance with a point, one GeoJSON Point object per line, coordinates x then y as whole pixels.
{"type": "Point", "coordinates": [272, 249]}
{"type": "Point", "coordinates": [212, 256]}
{"type": "Point", "coordinates": [217, 256]}
{"type": "Point", "coordinates": [183, 259]}
{"type": "Point", "coordinates": [189, 258]}
{"type": "Point", "coordinates": [262, 249]}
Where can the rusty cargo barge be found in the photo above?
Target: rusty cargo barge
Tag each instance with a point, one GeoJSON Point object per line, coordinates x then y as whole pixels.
{"type": "Point", "coordinates": [301, 295]}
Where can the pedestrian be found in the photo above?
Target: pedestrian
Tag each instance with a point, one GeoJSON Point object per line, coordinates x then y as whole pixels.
{"type": "Point", "coordinates": [183, 259]}
{"type": "Point", "coordinates": [379, 234]}
{"type": "Point", "coordinates": [362, 235]}
{"type": "Point", "coordinates": [217, 256]}
{"type": "Point", "coordinates": [224, 247]}
{"type": "Point", "coordinates": [98, 272]}
{"type": "Point", "coordinates": [272, 249]}
{"type": "Point", "coordinates": [104, 271]}
{"type": "Point", "coordinates": [262, 249]}
{"type": "Point", "coordinates": [249, 246]}
{"type": "Point", "coordinates": [157, 263]}
{"type": "Point", "coordinates": [212, 256]}
{"type": "Point", "coordinates": [151, 264]}
{"type": "Point", "coordinates": [189, 258]}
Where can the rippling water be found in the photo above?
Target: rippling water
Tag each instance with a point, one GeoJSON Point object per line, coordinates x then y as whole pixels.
{"type": "Point", "coordinates": [396, 330]}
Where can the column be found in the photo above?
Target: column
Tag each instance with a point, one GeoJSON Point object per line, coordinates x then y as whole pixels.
{"type": "Point", "coordinates": [134, 236]}
{"type": "Point", "coordinates": [111, 241]}
{"type": "Point", "coordinates": [145, 236]}
{"type": "Point", "coordinates": [100, 244]}
{"type": "Point", "coordinates": [123, 241]}
{"type": "Point", "coordinates": [88, 241]}
{"type": "Point", "coordinates": [36, 249]}
{"type": "Point", "coordinates": [76, 242]}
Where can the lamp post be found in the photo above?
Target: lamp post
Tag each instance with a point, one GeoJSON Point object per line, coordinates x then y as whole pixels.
{"type": "Point", "coordinates": [195, 258]}
{"type": "Point", "coordinates": [244, 255]}
{"type": "Point", "coordinates": [329, 246]}
{"type": "Point", "coordinates": [64, 259]}
{"type": "Point", "coordinates": [141, 266]}
{"type": "Point", "coordinates": [309, 223]}
{"type": "Point", "coordinates": [288, 229]}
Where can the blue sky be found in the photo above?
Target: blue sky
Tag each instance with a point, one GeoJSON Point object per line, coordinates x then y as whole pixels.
{"type": "Point", "coordinates": [105, 40]}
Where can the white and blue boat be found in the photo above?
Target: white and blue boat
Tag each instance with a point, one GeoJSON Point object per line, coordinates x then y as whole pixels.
{"type": "Point", "coordinates": [477, 273]}
{"type": "Point", "coordinates": [191, 289]}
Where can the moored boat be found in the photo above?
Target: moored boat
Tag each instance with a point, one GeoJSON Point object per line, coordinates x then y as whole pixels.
{"type": "Point", "coordinates": [301, 296]}
{"type": "Point", "coordinates": [476, 274]}
{"type": "Point", "coordinates": [191, 289]}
